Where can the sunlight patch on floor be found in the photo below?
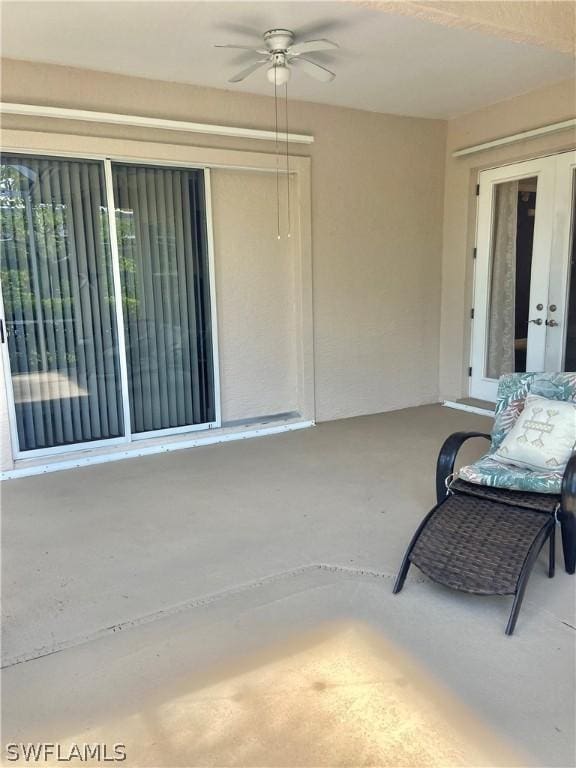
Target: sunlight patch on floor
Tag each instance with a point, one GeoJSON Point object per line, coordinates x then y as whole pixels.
{"type": "Point", "coordinates": [342, 698]}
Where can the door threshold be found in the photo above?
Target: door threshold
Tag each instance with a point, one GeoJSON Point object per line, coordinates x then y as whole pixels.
{"type": "Point", "coordinates": [29, 467]}
{"type": "Point", "coordinates": [472, 405]}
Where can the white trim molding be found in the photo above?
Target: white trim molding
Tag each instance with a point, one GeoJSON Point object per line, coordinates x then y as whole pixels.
{"type": "Point", "coordinates": [141, 121]}
{"type": "Point", "coordinates": [468, 408]}
{"type": "Point", "coordinates": [133, 453]}
{"type": "Point", "coordinates": [531, 134]}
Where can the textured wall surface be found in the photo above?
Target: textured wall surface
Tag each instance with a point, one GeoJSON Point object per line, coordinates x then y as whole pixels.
{"type": "Point", "coordinates": [256, 294]}
{"type": "Point", "coordinates": [377, 198]}
{"type": "Point", "coordinates": [377, 214]}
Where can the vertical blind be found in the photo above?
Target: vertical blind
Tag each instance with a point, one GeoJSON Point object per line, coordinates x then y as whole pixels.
{"type": "Point", "coordinates": [59, 301]}
{"type": "Point", "coordinates": [162, 242]}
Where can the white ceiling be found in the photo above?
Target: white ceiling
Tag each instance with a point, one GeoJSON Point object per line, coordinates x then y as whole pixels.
{"type": "Point", "coordinates": [386, 63]}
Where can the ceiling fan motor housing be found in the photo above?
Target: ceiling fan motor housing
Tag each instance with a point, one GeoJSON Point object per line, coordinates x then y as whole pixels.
{"type": "Point", "coordinates": [281, 52]}
{"type": "Point", "coordinates": [278, 40]}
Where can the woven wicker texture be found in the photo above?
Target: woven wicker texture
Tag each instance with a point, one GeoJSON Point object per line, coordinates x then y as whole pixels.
{"type": "Point", "coordinates": [477, 545]}
{"type": "Point", "coordinates": [541, 502]}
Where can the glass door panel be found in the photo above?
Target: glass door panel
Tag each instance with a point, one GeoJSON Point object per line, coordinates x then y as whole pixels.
{"type": "Point", "coordinates": [163, 252]}
{"type": "Point", "coordinates": [58, 297]}
{"type": "Point", "coordinates": [570, 340]}
{"type": "Point", "coordinates": [512, 273]}
{"type": "Point", "coordinates": [561, 309]}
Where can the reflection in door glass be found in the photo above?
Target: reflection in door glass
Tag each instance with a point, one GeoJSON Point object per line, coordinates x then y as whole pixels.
{"type": "Point", "coordinates": [511, 257]}
{"type": "Point", "coordinates": [58, 292]}
{"type": "Point", "coordinates": [163, 248]}
{"type": "Point", "coordinates": [570, 358]}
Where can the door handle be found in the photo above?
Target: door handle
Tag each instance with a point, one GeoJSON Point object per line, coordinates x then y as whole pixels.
{"type": "Point", "coordinates": [552, 323]}
{"type": "Point", "coordinates": [538, 321]}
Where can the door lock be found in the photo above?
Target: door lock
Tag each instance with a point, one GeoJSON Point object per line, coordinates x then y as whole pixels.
{"type": "Point", "coordinates": [553, 307]}
{"type": "Point", "coordinates": [538, 321]}
{"type": "Point", "coordinates": [539, 307]}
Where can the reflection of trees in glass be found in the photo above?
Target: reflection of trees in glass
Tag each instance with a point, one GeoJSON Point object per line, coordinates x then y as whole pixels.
{"type": "Point", "coordinates": [126, 235]}
{"type": "Point", "coordinates": [49, 234]}
{"type": "Point", "coordinates": [42, 279]}
{"type": "Point", "coordinates": [38, 265]}
{"type": "Point", "coordinates": [33, 238]}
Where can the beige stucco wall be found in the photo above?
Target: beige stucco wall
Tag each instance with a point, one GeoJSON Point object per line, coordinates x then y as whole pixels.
{"type": "Point", "coordinates": [390, 300]}
{"type": "Point", "coordinates": [377, 198]}
{"type": "Point", "coordinates": [538, 108]}
{"type": "Point", "coordinates": [256, 290]}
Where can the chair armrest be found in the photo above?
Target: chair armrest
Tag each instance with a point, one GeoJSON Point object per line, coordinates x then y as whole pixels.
{"type": "Point", "coordinates": [447, 459]}
{"type": "Point", "coordinates": [569, 487]}
{"type": "Point", "coordinates": [567, 515]}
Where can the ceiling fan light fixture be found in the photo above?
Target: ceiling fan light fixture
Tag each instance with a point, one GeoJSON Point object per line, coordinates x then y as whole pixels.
{"type": "Point", "coordinates": [281, 50]}
{"type": "Point", "coordinates": [279, 74]}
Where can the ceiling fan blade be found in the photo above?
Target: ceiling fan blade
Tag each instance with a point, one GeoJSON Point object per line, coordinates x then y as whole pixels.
{"type": "Point", "coordinates": [313, 69]}
{"type": "Point", "coordinates": [242, 48]}
{"type": "Point", "coordinates": [312, 45]}
{"type": "Point", "coordinates": [250, 29]}
{"type": "Point", "coordinates": [243, 74]}
{"type": "Point", "coordinates": [320, 28]}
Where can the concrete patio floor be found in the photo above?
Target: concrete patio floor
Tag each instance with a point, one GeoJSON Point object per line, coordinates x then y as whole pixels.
{"type": "Point", "coordinates": [231, 605]}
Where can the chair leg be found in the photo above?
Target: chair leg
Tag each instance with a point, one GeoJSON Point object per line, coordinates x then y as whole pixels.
{"type": "Point", "coordinates": [568, 528]}
{"type": "Point", "coordinates": [403, 572]}
{"type": "Point", "coordinates": [405, 567]}
{"type": "Point", "coordinates": [533, 553]}
{"type": "Point", "coordinates": [552, 552]}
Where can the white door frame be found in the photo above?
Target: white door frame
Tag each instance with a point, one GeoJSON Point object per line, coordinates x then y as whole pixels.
{"type": "Point", "coordinates": [560, 266]}
{"type": "Point", "coordinates": [128, 436]}
{"type": "Point", "coordinates": [544, 169]}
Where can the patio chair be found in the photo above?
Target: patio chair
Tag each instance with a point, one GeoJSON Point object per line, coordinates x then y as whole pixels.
{"type": "Point", "coordinates": [491, 520]}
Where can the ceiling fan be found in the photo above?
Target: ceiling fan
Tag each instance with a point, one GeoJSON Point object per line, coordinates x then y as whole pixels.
{"type": "Point", "coordinates": [281, 50]}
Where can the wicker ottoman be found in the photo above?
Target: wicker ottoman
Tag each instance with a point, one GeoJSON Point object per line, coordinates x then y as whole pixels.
{"type": "Point", "coordinates": [483, 541]}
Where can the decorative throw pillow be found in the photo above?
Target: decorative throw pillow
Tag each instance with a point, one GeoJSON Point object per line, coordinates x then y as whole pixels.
{"type": "Point", "coordinates": [543, 436]}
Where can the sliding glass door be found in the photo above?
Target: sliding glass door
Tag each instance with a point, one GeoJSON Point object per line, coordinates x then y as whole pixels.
{"type": "Point", "coordinates": [163, 255]}
{"type": "Point", "coordinates": [107, 322]}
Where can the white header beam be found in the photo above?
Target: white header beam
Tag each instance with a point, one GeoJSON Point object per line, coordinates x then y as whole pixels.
{"type": "Point", "coordinates": [532, 134]}
{"type": "Point", "coordinates": [84, 115]}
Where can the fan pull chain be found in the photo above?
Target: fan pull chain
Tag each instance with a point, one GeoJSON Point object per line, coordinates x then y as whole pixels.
{"type": "Point", "coordinates": [277, 154]}
{"type": "Point", "coordinates": [287, 161]}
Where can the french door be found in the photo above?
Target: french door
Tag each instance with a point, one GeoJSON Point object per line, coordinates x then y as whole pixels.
{"type": "Point", "coordinates": [524, 316]}
{"type": "Point", "coordinates": [107, 302]}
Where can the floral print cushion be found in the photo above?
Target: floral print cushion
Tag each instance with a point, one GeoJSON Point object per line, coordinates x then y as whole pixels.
{"type": "Point", "coordinates": [489, 471]}
{"type": "Point", "coordinates": [513, 389]}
